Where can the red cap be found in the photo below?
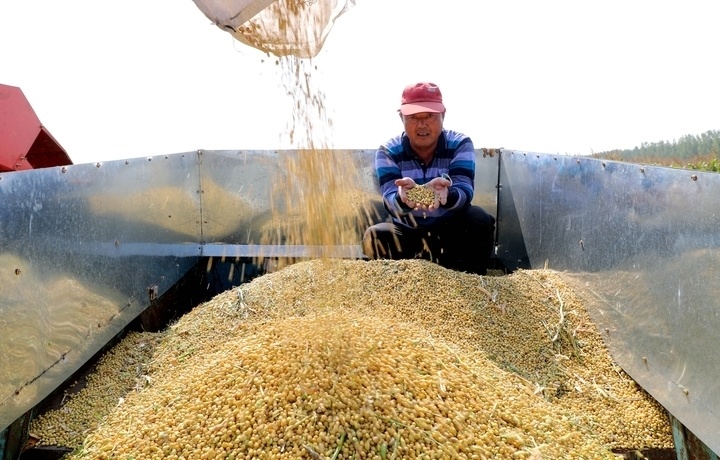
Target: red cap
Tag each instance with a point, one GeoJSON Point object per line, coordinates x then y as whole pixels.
{"type": "Point", "coordinates": [421, 97]}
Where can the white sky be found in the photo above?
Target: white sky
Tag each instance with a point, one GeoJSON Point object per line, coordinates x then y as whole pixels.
{"type": "Point", "coordinates": [115, 80]}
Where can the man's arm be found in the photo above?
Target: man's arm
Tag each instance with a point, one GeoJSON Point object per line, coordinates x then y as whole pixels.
{"type": "Point", "coordinates": [388, 172]}
{"type": "Point", "coordinates": [461, 171]}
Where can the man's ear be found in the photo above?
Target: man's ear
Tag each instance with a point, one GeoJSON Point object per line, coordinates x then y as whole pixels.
{"type": "Point", "coordinates": [401, 116]}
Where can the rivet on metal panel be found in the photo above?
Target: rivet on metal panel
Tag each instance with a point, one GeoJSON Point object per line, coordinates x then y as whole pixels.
{"type": "Point", "coordinates": [693, 177]}
{"type": "Point", "coordinates": [152, 292]}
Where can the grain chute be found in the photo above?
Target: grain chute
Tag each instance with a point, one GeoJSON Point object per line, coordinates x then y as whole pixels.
{"type": "Point", "coordinates": [280, 27]}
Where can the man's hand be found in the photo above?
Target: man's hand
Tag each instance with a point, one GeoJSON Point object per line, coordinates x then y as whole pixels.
{"type": "Point", "coordinates": [404, 185]}
{"type": "Point", "coordinates": [440, 186]}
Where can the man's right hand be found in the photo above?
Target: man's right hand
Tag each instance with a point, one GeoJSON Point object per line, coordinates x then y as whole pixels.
{"type": "Point", "coordinates": [404, 185]}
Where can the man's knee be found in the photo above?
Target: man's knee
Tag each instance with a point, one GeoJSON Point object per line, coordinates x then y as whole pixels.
{"type": "Point", "coordinates": [479, 219]}
{"type": "Point", "coordinates": [369, 243]}
{"type": "Point", "coordinates": [376, 241]}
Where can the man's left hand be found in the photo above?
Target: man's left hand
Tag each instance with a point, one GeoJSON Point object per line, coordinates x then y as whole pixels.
{"type": "Point", "coordinates": [440, 186]}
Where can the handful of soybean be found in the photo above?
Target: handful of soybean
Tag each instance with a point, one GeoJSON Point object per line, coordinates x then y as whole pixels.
{"type": "Point", "coordinates": [421, 195]}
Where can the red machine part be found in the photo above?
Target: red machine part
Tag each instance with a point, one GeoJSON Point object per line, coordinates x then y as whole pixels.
{"type": "Point", "coordinates": [24, 141]}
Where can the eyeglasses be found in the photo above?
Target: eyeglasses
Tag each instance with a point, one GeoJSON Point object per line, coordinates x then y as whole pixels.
{"type": "Point", "coordinates": [422, 117]}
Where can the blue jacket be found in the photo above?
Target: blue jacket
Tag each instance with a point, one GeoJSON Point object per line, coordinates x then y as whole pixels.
{"type": "Point", "coordinates": [454, 155]}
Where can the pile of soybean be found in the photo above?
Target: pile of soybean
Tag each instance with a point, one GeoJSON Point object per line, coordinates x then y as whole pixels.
{"type": "Point", "coordinates": [351, 359]}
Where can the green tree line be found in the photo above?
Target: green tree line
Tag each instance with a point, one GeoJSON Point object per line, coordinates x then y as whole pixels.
{"type": "Point", "coordinates": [701, 152]}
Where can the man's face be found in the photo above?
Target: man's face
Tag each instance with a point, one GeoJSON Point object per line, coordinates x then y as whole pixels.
{"type": "Point", "coordinates": [423, 129]}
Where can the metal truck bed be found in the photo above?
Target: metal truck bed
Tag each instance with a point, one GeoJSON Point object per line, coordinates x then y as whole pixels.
{"type": "Point", "coordinates": [85, 249]}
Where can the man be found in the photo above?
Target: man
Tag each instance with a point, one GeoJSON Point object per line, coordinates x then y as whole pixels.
{"type": "Point", "coordinates": [447, 230]}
